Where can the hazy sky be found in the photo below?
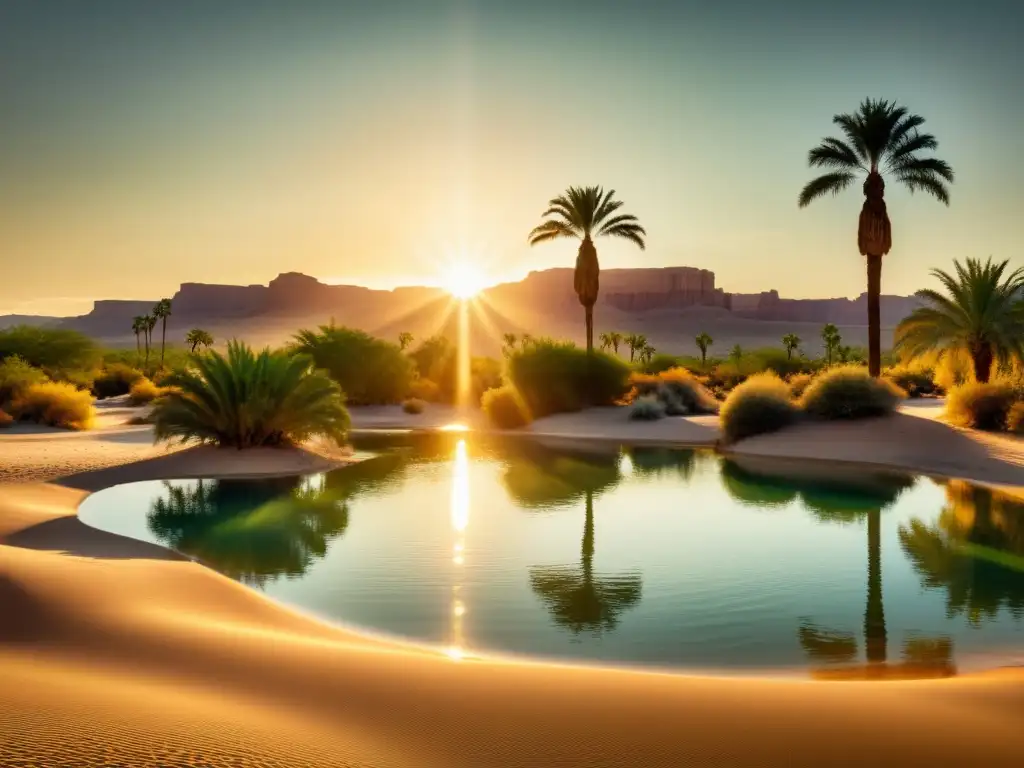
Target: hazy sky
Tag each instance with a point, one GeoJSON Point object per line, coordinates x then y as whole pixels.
{"type": "Point", "coordinates": [145, 144]}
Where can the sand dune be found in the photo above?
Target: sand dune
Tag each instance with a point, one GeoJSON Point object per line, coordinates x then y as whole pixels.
{"type": "Point", "coordinates": [114, 652]}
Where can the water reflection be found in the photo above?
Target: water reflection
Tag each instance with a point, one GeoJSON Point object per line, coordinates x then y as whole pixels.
{"type": "Point", "coordinates": [974, 552]}
{"type": "Point", "coordinates": [460, 520]}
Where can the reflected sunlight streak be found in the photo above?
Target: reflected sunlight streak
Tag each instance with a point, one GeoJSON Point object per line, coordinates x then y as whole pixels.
{"type": "Point", "coordinates": [460, 520]}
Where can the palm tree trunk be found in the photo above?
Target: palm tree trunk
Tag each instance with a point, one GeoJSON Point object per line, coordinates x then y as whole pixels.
{"type": "Point", "coordinates": [588, 311]}
{"type": "Point", "coordinates": [875, 635]}
{"type": "Point", "coordinates": [874, 314]}
{"type": "Point", "coordinates": [163, 341]}
{"type": "Point", "coordinates": [147, 349]}
{"type": "Point", "coordinates": [587, 546]}
{"type": "Point", "coordinates": [981, 358]}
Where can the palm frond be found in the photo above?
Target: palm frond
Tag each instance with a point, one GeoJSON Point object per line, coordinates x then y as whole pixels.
{"type": "Point", "coordinates": [833, 183]}
{"type": "Point", "coordinates": [551, 230]}
{"type": "Point", "coordinates": [632, 232]}
{"type": "Point", "coordinates": [834, 153]}
{"type": "Point", "coordinates": [582, 212]}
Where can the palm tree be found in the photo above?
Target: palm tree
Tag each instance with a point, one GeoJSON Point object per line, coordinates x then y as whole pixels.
{"type": "Point", "coordinates": [150, 324]}
{"type": "Point", "coordinates": [404, 340]}
{"type": "Point", "coordinates": [791, 342]}
{"type": "Point", "coordinates": [525, 340]}
{"type": "Point", "coordinates": [636, 342]}
{"type": "Point", "coordinates": [162, 311]}
{"type": "Point", "coordinates": [736, 353]}
{"type": "Point", "coordinates": [606, 342]}
{"type": "Point", "coordinates": [704, 341]}
{"type": "Point", "coordinates": [879, 136]}
{"type": "Point", "coordinates": [198, 337]}
{"type": "Point", "coordinates": [981, 313]}
{"type": "Point", "coordinates": [830, 336]}
{"type": "Point", "coordinates": [647, 353]}
{"type": "Point", "coordinates": [583, 213]}
{"type": "Point", "coordinates": [138, 326]}
{"type": "Point", "coordinates": [616, 338]}
{"type": "Point", "coordinates": [509, 341]}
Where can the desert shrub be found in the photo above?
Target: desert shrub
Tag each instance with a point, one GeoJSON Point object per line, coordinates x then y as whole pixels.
{"type": "Point", "coordinates": [952, 370]}
{"type": "Point", "coordinates": [798, 383]}
{"type": "Point", "coordinates": [505, 408]}
{"type": "Point", "coordinates": [245, 400]}
{"type": "Point", "coordinates": [5, 419]}
{"type": "Point", "coordinates": [413, 406]}
{"type": "Point", "coordinates": [647, 408]}
{"type": "Point", "coordinates": [558, 377]}
{"type": "Point", "coordinates": [723, 377]}
{"type": "Point", "coordinates": [56, 404]}
{"type": "Point", "coordinates": [1015, 418]}
{"type": "Point", "coordinates": [370, 371]}
{"type": "Point", "coordinates": [981, 406]}
{"type": "Point", "coordinates": [16, 375]}
{"type": "Point", "coordinates": [425, 390]}
{"type": "Point", "coordinates": [659, 363]}
{"type": "Point", "coordinates": [850, 392]}
{"type": "Point", "coordinates": [679, 391]}
{"type": "Point", "coordinates": [55, 350]}
{"type": "Point", "coordinates": [437, 359]}
{"type": "Point", "coordinates": [915, 381]}
{"type": "Point", "coordinates": [114, 380]}
{"type": "Point", "coordinates": [760, 404]}
{"type": "Point", "coordinates": [140, 418]}
{"type": "Point", "coordinates": [485, 374]}
{"type": "Point", "coordinates": [144, 391]}
{"type": "Point", "coordinates": [775, 360]}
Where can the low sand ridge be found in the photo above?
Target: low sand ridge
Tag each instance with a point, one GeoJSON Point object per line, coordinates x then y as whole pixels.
{"type": "Point", "coordinates": [116, 652]}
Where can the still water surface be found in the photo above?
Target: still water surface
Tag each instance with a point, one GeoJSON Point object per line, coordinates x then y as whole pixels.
{"type": "Point", "coordinates": [639, 556]}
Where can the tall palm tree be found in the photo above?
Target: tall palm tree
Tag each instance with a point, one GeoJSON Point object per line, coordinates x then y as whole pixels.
{"type": "Point", "coordinates": [636, 342]}
{"type": "Point", "coordinates": [879, 137]}
{"type": "Point", "coordinates": [404, 340]}
{"type": "Point", "coordinates": [831, 339]}
{"type": "Point", "coordinates": [138, 326]}
{"type": "Point", "coordinates": [791, 342]}
{"type": "Point", "coordinates": [584, 213]}
{"type": "Point", "coordinates": [981, 313]}
{"type": "Point", "coordinates": [704, 341]}
{"type": "Point", "coordinates": [149, 323]}
{"type": "Point", "coordinates": [162, 311]}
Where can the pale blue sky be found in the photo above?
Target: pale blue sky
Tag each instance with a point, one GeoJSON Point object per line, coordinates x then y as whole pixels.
{"type": "Point", "coordinates": [143, 145]}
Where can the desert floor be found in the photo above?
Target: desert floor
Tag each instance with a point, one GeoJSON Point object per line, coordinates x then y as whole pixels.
{"type": "Point", "coordinates": [115, 652]}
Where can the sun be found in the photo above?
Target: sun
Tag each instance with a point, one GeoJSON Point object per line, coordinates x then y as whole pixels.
{"type": "Point", "coordinates": [463, 280]}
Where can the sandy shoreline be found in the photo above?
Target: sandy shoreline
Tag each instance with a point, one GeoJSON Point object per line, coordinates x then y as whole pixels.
{"type": "Point", "coordinates": [121, 653]}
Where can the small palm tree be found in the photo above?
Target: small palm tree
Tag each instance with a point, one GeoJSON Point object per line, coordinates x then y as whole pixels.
{"type": "Point", "coordinates": [791, 342]}
{"type": "Point", "coordinates": [525, 340]}
{"type": "Point", "coordinates": [606, 342]}
{"type": "Point", "coordinates": [161, 312]}
{"type": "Point", "coordinates": [981, 313]}
{"type": "Point", "coordinates": [616, 338]}
{"type": "Point", "coordinates": [404, 340]}
{"type": "Point", "coordinates": [149, 323]}
{"type": "Point", "coordinates": [246, 400]}
{"type": "Point", "coordinates": [647, 353]}
{"type": "Point", "coordinates": [636, 342]}
{"type": "Point", "coordinates": [831, 338]}
{"type": "Point", "coordinates": [138, 326]}
{"type": "Point", "coordinates": [198, 337]}
{"type": "Point", "coordinates": [583, 213]}
{"type": "Point", "coordinates": [509, 341]}
{"type": "Point", "coordinates": [704, 341]}
{"type": "Point", "coordinates": [879, 136]}
{"type": "Point", "coordinates": [736, 353]}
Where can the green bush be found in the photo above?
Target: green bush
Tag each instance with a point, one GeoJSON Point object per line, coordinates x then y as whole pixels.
{"type": "Point", "coordinates": [246, 400]}
{"type": "Point", "coordinates": [798, 383]}
{"type": "Point", "coordinates": [437, 360]}
{"type": "Point", "coordinates": [114, 379]}
{"type": "Point", "coordinates": [57, 351]}
{"type": "Point", "coordinates": [850, 392]}
{"type": "Point", "coordinates": [5, 419]}
{"type": "Point", "coordinates": [425, 390]}
{"type": "Point", "coordinates": [505, 408]}
{"type": "Point", "coordinates": [55, 404]}
{"type": "Point", "coordinates": [370, 371]}
{"type": "Point", "coordinates": [659, 363]}
{"type": "Point", "coordinates": [980, 406]}
{"type": "Point", "coordinates": [413, 406]}
{"type": "Point", "coordinates": [559, 377]}
{"type": "Point", "coordinates": [760, 404]}
{"type": "Point", "coordinates": [16, 375]}
{"type": "Point", "coordinates": [143, 391]}
{"type": "Point", "coordinates": [1015, 418]}
{"type": "Point", "coordinates": [916, 382]}
{"type": "Point", "coordinates": [647, 408]}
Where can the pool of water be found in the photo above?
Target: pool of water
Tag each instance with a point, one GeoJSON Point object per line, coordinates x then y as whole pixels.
{"type": "Point", "coordinates": [639, 556]}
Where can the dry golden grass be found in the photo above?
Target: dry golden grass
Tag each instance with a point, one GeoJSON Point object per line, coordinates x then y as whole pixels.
{"type": "Point", "coordinates": [55, 404]}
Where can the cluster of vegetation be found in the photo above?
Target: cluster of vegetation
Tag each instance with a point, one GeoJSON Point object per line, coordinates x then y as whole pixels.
{"type": "Point", "coordinates": [677, 391]}
{"type": "Point", "coordinates": [766, 403]}
{"type": "Point", "coordinates": [28, 394]}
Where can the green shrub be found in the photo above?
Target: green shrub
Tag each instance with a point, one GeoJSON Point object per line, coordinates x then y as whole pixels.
{"type": "Point", "coordinates": [413, 406]}
{"type": "Point", "coordinates": [916, 382]}
{"type": "Point", "coordinates": [647, 408]}
{"type": "Point", "coordinates": [114, 380]}
{"type": "Point", "coordinates": [760, 404]}
{"type": "Point", "coordinates": [55, 404]}
{"type": "Point", "coordinates": [16, 375]}
{"type": "Point", "coordinates": [850, 392]}
{"type": "Point", "coordinates": [425, 390]}
{"type": "Point", "coordinates": [485, 374]}
{"type": "Point", "coordinates": [144, 391]}
{"type": "Point", "coordinates": [437, 360]}
{"type": "Point", "coordinates": [981, 406]}
{"type": "Point", "coordinates": [245, 400]}
{"type": "Point", "coordinates": [5, 419]}
{"type": "Point", "coordinates": [559, 377]}
{"type": "Point", "coordinates": [370, 371]}
{"type": "Point", "coordinates": [798, 383]}
{"type": "Point", "coordinates": [1015, 418]}
{"type": "Point", "coordinates": [659, 363]}
{"type": "Point", "coordinates": [56, 350]}
{"type": "Point", "coordinates": [505, 408]}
